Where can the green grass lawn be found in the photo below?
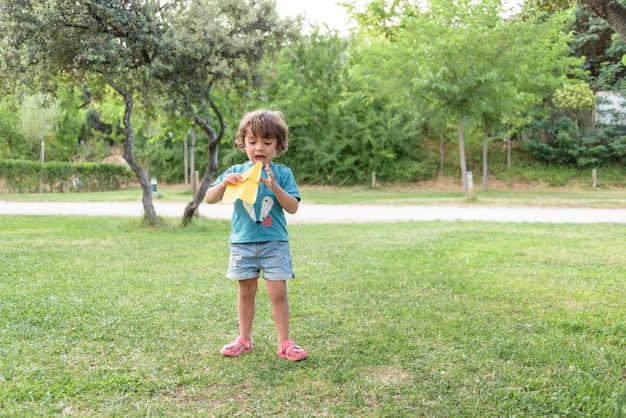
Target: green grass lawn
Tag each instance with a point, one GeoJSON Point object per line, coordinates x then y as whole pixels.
{"type": "Point", "coordinates": [104, 317]}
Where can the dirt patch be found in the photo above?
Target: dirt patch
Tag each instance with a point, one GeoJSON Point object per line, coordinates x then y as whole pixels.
{"type": "Point", "coordinates": [114, 159]}
{"type": "Point", "coordinates": [387, 375]}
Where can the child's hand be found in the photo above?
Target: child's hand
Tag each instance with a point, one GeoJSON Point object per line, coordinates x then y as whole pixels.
{"type": "Point", "coordinates": [232, 178]}
{"type": "Point", "coordinates": [270, 181]}
{"type": "Point", "coordinates": [287, 201]}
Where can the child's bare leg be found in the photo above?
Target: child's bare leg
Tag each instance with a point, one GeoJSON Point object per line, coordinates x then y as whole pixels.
{"type": "Point", "coordinates": [246, 306]}
{"type": "Point", "coordinates": [277, 291]}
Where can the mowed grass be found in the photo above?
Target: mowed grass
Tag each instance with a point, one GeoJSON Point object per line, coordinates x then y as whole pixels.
{"type": "Point", "coordinates": [105, 317]}
{"type": "Point", "coordinates": [384, 195]}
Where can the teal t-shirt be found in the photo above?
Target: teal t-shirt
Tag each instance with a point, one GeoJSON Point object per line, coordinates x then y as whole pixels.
{"type": "Point", "coordinates": [265, 220]}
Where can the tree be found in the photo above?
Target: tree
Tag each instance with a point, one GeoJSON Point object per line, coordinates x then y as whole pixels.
{"type": "Point", "coordinates": [461, 59]}
{"type": "Point", "coordinates": [529, 62]}
{"type": "Point", "coordinates": [337, 134]}
{"type": "Point", "coordinates": [209, 45]}
{"type": "Point", "coordinates": [9, 129]}
{"type": "Point", "coordinates": [113, 42]}
{"type": "Point", "coordinates": [593, 39]}
{"type": "Point", "coordinates": [613, 12]}
{"type": "Point", "coordinates": [574, 96]}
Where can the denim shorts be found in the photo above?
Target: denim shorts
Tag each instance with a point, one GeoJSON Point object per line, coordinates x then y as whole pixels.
{"type": "Point", "coordinates": [248, 260]}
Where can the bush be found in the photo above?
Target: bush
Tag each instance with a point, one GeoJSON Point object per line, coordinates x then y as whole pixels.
{"type": "Point", "coordinates": [21, 176]}
{"type": "Point", "coordinates": [555, 143]}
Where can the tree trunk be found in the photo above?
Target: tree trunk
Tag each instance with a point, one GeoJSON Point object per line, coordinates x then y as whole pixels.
{"type": "Point", "coordinates": [185, 162]}
{"type": "Point", "coordinates": [508, 153]}
{"type": "Point", "coordinates": [462, 156]}
{"type": "Point", "coordinates": [441, 152]}
{"type": "Point", "coordinates": [486, 161]}
{"type": "Point", "coordinates": [211, 169]}
{"type": "Point", "coordinates": [612, 12]}
{"type": "Point", "coordinates": [148, 208]}
{"type": "Point", "coordinates": [192, 157]}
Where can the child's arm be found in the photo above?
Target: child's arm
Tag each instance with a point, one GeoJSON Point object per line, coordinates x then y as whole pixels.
{"type": "Point", "coordinates": [288, 202]}
{"type": "Point", "coordinates": [215, 193]}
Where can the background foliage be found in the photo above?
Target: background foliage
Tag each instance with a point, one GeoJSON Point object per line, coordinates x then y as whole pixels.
{"type": "Point", "coordinates": [365, 103]}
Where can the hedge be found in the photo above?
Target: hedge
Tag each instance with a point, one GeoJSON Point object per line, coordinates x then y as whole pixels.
{"type": "Point", "coordinates": [19, 176]}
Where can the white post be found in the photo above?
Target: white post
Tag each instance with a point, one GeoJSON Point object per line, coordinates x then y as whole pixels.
{"type": "Point", "coordinates": [373, 179]}
{"type": "Point", "coordinates": [593, 178]}
{"type": "Point", "coordinates": [153, 182]}
{"type": "Point", "coordinates": [470, 185]}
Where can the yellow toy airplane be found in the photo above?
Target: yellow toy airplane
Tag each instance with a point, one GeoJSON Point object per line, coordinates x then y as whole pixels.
{"type": "Point", "coordinates": [247, 189]}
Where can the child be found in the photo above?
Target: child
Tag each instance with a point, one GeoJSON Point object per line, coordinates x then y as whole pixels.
{"type": "Point", "coordinates": [259, 238]}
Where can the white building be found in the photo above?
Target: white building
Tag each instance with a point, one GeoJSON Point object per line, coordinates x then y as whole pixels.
{"type": "Point", "coordinates": [610, 109]}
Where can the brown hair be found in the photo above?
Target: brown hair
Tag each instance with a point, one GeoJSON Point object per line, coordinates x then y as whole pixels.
{"type": "Point", "coordinates": [266, 124]}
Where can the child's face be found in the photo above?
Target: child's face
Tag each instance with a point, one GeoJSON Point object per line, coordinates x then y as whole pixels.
{"type": "Point", "coordinates": [260, 149]}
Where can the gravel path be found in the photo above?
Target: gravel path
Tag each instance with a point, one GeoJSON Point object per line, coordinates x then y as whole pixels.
{"type": "Point", "coordinates": [314, 213]}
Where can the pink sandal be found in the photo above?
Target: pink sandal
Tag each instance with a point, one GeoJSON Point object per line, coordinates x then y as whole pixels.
{"type": "Point", "coordinates": [237, 347]}
{"type": "Point", "coordinates": [291, 351]}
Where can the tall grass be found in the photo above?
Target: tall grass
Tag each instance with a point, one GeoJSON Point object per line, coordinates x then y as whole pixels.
{"type": "Point", "coordinates": [103, 317]}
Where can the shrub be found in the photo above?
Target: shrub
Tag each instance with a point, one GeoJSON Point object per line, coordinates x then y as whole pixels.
{"type": "Point", "coordinates": [21, 176]}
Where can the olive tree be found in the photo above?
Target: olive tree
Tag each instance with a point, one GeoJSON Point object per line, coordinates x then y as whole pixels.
{"type": "Point", "coordinates": [212, 45]}
{"type": "Point", "coordinates": [106, 43]}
